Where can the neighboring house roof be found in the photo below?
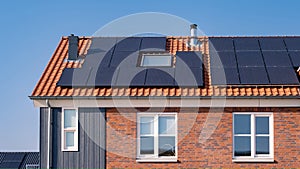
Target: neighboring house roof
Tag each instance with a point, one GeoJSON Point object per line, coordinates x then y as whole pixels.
{"type": "Point", "coordinates": [21, 160]}
{"type": "Point", "coordinates": [47, 86]}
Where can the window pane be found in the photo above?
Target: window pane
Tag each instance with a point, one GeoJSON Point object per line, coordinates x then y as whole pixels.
{"type": "Point", "coordinates": [166, 125]}
{"type": "Point", "coordinates": [167, 146]}
{"type": "Point", "coordinates": [69, 139]}
{"type": "Point", "coordinates": [242, 123]}
{"type": "Point", "coordinates": [147, 145]}
{"type": "Point", "coordinates": [156, 60]}
{"type": "Point", "coordinates": [262, 145]}
{"type": "Point", "coordinates": [242, 146]}
{"type": "Point", "coordinates": [69, 118]}
{"type": "Point", "coordinates": [262, 125]}
{"type": "Point", "coordinates": [146, 125]}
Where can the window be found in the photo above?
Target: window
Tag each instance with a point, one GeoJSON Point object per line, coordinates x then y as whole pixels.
{"type": "Point", "coordinates": [157, 137]}
{"type": "Point", "coordinates": [69, 130]}
{"type": "Point", "coordinates": [253, 137]}
{"type": "Point", "coordinates": [156, 60]}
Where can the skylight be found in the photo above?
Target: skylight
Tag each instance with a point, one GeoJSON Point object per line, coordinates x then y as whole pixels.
{"type": "Point", "coordinates": [156, 60]}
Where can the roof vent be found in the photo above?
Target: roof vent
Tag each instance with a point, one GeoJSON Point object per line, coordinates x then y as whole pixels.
{"type": "Point", "coordinates": [73, 47]}
{"type": "Point", "coordinates": [194, 42]}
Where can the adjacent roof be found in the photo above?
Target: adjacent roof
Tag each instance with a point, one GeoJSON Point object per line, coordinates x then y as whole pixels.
{"type": "Point", "coordinates": [19, 160]}
{"type": "Point", "coordinates": [47, 86]}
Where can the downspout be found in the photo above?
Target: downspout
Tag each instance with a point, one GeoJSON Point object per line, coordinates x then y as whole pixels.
{"type": "Point", "coordinates": [49, 134]}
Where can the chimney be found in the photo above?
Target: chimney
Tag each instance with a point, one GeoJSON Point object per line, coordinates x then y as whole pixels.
{"type": "Point", "coordinates": [73, 47]}
{"type": "Point", "coordinates": [194, 40]}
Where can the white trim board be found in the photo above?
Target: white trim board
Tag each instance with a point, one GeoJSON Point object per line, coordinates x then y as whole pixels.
{"type": "Point", "coordinates": [127, 103]}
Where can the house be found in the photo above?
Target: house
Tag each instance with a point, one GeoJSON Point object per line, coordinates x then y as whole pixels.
{"type": "Point", "coordinates": [19, 160]}
{"type": "Point", "coordinates": [170, 102]}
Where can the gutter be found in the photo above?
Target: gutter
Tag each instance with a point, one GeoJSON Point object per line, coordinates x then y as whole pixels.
{"type": "Point", "coordinates": [49, 125]}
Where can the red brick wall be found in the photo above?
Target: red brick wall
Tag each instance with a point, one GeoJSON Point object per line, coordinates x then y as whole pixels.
{"type": "Point", "coordinates": [197, 148]}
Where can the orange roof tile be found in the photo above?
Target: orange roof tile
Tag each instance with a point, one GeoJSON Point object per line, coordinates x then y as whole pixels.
{"type": "Point", "coordinates": [46, 87]}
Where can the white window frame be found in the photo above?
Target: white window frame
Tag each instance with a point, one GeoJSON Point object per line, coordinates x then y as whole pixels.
{"type": "Point", "coordinates": [72, 129]}
{"type": "Point", "coordinates": [254, 157]}
{"type": "Point", "coordinates": [156, 55]}
{"type": "Point", "coordinates": [155, 157]}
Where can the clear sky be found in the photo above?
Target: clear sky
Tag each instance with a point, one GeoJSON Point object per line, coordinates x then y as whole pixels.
{"type": "Point", "coordinates": [31, 30]}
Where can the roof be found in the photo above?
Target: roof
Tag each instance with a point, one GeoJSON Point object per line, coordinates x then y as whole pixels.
{"type": "Point", "coordinates": [47, 86]}
{"type": "Point", "coordinates": [19, 160]}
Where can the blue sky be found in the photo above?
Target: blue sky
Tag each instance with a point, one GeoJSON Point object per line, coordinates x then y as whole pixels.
{"type": "Point", "coordinates": [31, 30]}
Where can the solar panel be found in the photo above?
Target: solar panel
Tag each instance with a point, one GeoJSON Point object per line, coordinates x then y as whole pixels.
{"type": "Point", "coordinates": [131, 77]}
{"type": "Point", "coordinates": [249, 59]}
{"type": "Point", "coordinates": [223, 59]}
{"type": "Point", "coordinates": [10, 165]}
{"type": "Point", "coordinates": [74, 77]}
{"type": "Point", "coordinates": [103, 77]}
{"type": "Point", "coordinates": [221, 44]}
{"type": "Point", "coordinates": [282, 75]}
{"type": "Point", "coordinates": [224, 76]}
{"type": "Point", "coordinates": [188, 77]}
{"type": "Point", "coordinates": [295, 58]}
{"type": "Point", "coordinates": [272, 43]}
{"type": "Point", "coordinates": [276, 58]}
{"type": "Point", "coordinates": [163, 77]}
{"type": "Point", "coordinates": [101, 59]}
{"type": "Point", "coordinates": [292, 43]}
{"type": "Point", "coordinates": [102, 44]}
{"type": "Point", "coordinates": [246, 43]}
{"type": "Point", "coordinates": [191, 59]}
{"type": "Point", "coordinates": [253, 75]}
{"type": "Point", "coordinates": [153, 44]}
{"type": "Point", "coordinates": [125, 58]}
{"type": "Point", "coordinates": [128, 44]}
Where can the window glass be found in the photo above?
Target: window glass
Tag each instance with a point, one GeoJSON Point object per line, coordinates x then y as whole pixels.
{"type": "Point", "coordinates": [146, 125]}
{"type": "Point", "coordinates": [166, 125]}
{"type": "Point", "coordinates": [242, 124]}
{"type": "Point", "coordinates": [69, 139]}
{"type": "Point", "coordinates": [262, 145]}
{"type": "Point", "coordinates": [262, 125]}
{"type": "Point", "coordinates": [167, 146]}
{"type": "Point", "coordinates": [242, 146]}
{"type": "Point", "coordinates": [69, 118]}
{"type": "Point", "coordinates": [147, 145]}
{"type": "Point", "coordinates": [156, 60]}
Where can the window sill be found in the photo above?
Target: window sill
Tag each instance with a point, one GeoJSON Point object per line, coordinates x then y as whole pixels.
{"type": "Point", "coordinates": [156, 160]}
{"type": "Point", "coordinates": [257, 159]}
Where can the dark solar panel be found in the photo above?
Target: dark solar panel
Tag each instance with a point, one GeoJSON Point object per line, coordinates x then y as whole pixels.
{"type": "Point", "coordinates": [223, 59]}
{"type": "Point", "coordinates": [153, 44]}
{"type": "Point", "coordinates": [282, 75]}
{"type": "Point", "coordinates": [103, 77]}
{"type": "Point", "coordinates": [188, 77]}
{"type": "Point", "coordinates": [221, 44]}
{"type": "Point", "coordinates": [246, 43]}
{"type": "Point", "coordinates": [253, 75]}
{"type": "Point", "coordinates": [191, 59]}
{"type": "Point", "coordinates": [10, 165]}
{"type": "Point", "coordinates": [128, 44]}
{"type": "Point", "coordinates": [272, 43]}
{"type": "Point", "coordinates": [74, 77]}
{"type": "Point", "coordinates": [101, 59]}
{"type": "Point", "coordinates": [131, 77]}
{"type": "Point", "coordinates": [292, 43]}
{"type": "Point", "coordinates": [276, 58]}
{"type": "Point", "coordinates": [163, 77]}
{"type": "Point", "coordinates": [224, 76]}
{"type": "Point", "coordinates": [295, 58]}
{"type": "Point", "coordinates": [102, 44]}
{"type": "Point", "coordinates": [249, 59]}
{"type": "Point", "coordinates": [124, 58]}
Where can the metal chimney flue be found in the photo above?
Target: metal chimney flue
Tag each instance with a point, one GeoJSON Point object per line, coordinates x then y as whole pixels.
{"type": "Point", "coordinates": [194, 39]}
{"type": "Point", "coordinates": [73, 47]}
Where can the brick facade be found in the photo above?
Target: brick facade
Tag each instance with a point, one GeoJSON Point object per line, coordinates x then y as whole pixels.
{"type": "Point", "coordinates": [204, 138]}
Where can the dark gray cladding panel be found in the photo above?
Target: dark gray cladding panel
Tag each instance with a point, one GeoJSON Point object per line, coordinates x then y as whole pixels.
{"type": "Point", "coordinates": [160, 77]}
{"type": "Point", "coordinates": [246, 43]}
{"type": "Point", "coordinates": [292, 43]}
{"type": "Point", "coordinates": [188, 77]}
{"type": "Point", "coordinates": [249, 59]}
{"type": "Point", "coordinates": [127, 58]}
{"type": "Point", "coordinates": [73, 47]}
{"type": "Point", "coordinates": [221, 44]}
{"type": "Point", "coordinates": [277, 59]}
{"type": "Point", "coordinates": [103, 77]}
{"type": "Point", "coordinates": [224, 76]}
{"type": "Point", "coordinates": [295, 58]}
{"type": "Point", "coordinates": [102, 44]}
{"type": "Point", "coordinates": [128, 44]}
{"type": "Point", "coordinates": [222, 59]}
{"type": "Point", "coordinates": [272, 43]}
{"type": "Point", "coordinates": [100, 59]}
{"type": "Point", "coordinates": [131, 77]}
{"type": "Point", "coordinates": [74, 77]}
{"type": "Point", "coordinates": [253, 75]}
{"type": "Point", "coordinates": [191, 59]}
{"type": "Point", "coordinates": [282, 75]}
{"type": "Point", "coordinates": [153, 44]}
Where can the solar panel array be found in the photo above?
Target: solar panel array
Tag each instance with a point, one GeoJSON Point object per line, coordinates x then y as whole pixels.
{"type": "Point", "coordinates": [114, 62]}
{"type": "Point", "coordinates": [254, 60]}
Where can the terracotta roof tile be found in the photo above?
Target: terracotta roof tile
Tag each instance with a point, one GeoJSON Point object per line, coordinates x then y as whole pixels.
{"type": "Point", "coordinates": [47, 83]}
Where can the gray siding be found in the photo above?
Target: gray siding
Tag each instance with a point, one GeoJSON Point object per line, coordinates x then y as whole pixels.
{"type": "Point", "coordinates": [91, 140]}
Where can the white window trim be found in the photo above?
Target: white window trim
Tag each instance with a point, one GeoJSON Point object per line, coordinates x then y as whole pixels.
{"type": "Point", "coordinates": [64, 130]}
{"type": "Point", "coordinates": [156, 54]}
{"type": "Point", "coordinates": [155, 157]}
{"type": "Point", "coordinates": [253, 157]}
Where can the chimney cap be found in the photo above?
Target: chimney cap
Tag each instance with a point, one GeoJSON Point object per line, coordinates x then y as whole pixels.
{"type": "Point", "coordinates": [193, 26]}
